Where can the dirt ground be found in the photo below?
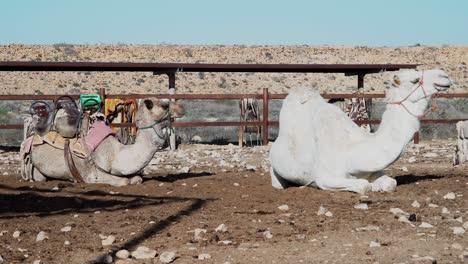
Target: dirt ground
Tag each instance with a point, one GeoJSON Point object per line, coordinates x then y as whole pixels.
{"type": "Point", "coordinates": [231, 186]}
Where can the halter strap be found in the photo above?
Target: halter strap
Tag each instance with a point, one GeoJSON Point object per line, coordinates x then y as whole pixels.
{"type": "Point", "coordinates": [434, 106]}
{"type": "Point", "coordinates": [170, 128]}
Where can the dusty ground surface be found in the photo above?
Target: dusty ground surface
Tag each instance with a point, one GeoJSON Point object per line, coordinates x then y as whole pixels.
{"type": "Point", "coordinates": [202, 187]}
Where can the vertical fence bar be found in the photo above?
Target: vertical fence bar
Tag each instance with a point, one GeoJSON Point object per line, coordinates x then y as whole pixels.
{"type": "Point", "coordinates": [102, 94]}
{"type": "Point", "coordinates": [172, 87]}
{"type": "Point", "coordinates": [265, 116]}
{"type": "Point", "coordinates": [416, 138]}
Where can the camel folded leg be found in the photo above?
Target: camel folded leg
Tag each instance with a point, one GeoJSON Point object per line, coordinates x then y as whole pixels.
{"type": "Point", "coordinates": [343, 184]}
{"type": "Point", "coordinates": [276, 181]}
{"type": "Point", "coordinates": [102, 177]}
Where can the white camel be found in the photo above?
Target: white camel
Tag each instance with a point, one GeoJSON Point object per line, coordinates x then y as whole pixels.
{"type": "Point", "coordinates": [111, 157]}
{"type": "Point", "coordinates": [318, 145]}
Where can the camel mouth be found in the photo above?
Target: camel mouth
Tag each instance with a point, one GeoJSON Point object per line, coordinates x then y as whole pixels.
{"type": "Point", "coordinates": [442, 87]}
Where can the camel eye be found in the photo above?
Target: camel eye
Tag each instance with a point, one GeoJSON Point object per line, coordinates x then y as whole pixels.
{"type": "Point", "coordinates": [415, 80]}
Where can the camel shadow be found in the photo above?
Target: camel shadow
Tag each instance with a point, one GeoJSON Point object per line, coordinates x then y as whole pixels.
{"type": "Point", "coordinates": [180, 176]}
{"type": "Point", "coordinates": [411, 178]}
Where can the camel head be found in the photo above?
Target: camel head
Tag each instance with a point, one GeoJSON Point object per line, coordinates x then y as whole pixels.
{"type": "Point", "coordinates": [155, 110]}
{"type": "Point", "coordinates": [412, 85]}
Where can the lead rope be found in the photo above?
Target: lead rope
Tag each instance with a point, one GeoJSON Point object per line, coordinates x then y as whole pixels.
{"type": "Point", "coordinates": [434, 106]}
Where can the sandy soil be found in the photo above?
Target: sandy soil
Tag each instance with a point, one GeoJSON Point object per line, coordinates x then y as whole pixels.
{"type": "Point", "coordinates": [174, 200]}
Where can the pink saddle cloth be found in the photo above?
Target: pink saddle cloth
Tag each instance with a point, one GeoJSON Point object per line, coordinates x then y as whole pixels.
{"type": "Point", "coordinates": [97, 133]}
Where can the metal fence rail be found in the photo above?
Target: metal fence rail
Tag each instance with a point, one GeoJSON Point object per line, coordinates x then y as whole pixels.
{"type": "Point", "coordinates": [265, 97]}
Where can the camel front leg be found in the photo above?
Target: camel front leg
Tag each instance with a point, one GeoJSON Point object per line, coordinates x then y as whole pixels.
{"type": "Point", "coordinates": [102, 177]}
{"type": "Point", "coordinates": [276, 181]}
{"type": "Point", "coordinates": [328, 182]}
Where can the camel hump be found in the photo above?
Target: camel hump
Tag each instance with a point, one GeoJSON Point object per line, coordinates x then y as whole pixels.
{"type": "Point", "coordinates": [303, 95]}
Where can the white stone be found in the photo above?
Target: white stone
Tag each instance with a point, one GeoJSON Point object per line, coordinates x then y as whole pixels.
{"type": "Point", "coordinates": [196, 139]}
{"type": "Point", "coordinates": [267, 234]}
{"type": "Point", "coordinates": [398, 212]}
{"type": "Point", "coordinates": [465, 225]}
{"type": "Point", "coordinates": [374, 244]}
{"type": "Point", "coordinates": [204, 256]}
{"type": "Point", "coordinates": [404, 169]}
{"type": "Point", "coordinates": [66, 229]}
{"type": "Point", "coordinates": [404, 219]}
{"type": "Point", "coordinates": [108, 241]}
{"type": "Point", "coordinates": [283, 207]}
{"type": "Point", "coordinates": [251, 168]}
{"type": "Point", "coordinates": [425, 225]}
{"type": "Point", "coordinates": [143, 252]}
{"type": "Point", "coordinates": [41, 236]}
{"type": "Point", "coordinates": [450, 196]}
{"type": "Point", "coordinates": [416, 204]}
{"type": "Point", "coordinates": [167, 257]}
{"type": "Point", "coordinates": [361, 206]}
{"type": "Point", "coordinates": [16, 234]}
{"type": "Point", "coordinates": [430, 155]}
{"type": "Point", "coordinates": [412, 159]}
{"type": "Point", "coordinates": [426, 259]}
{"type": "Point", "coordinates": [135, 180]}
{"type": "Point", "coordinates": [368, 228]}
{"type": "Point", "coordinates": [457, 246]}
{"type": "Point", "coordinates": [221, 228]}
{"type": "Point", "coordinates": [198, 233]}
{"type": "Point", "coordinates": [56, 188]}
{"type": "Point", "coordinates": [37, 261]}
{"type": "Point", "coordinates": [236, 184]}
{"type": "Point", "coordinates": [445, 211]}
{"type": "Point", "coordinates": [122, 254]}
{"type": "Point", "coordinates": [185, 170]}
{"type": "Point", "coordinates": [432, 205]}
{"type": "Point", "coordinates": [458, 230]}
{"type": "Point", "coordinates": [329, 214]}
{"type": "Point", "coordinates": [225, 242]}
{"type": "Point", "coordinates": [66, 243]}
{"type": "Point", "coordinates": [321, 211]}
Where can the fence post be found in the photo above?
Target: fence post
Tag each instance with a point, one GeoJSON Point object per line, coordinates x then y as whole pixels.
{"type": "Point", "coordinates": [172, 87]}
{"type": "Point", "coordinates": [265, 116]}
{"type": "Point", "coordinates": [102, 94]}
{"type": "Point", "coordinates": [416, 138]}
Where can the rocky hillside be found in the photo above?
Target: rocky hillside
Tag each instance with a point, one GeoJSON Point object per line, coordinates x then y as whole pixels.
{"type": "Point", "coordinates": [451, 59]}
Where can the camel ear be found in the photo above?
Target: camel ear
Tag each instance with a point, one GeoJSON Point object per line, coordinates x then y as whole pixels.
{"type": "Point", "coordinates": [148, 103]}
{"type": "Point", "coordinates": [396, 80]}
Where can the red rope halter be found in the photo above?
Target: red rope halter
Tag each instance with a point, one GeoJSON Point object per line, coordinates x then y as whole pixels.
{"type": "Point", "coordinates": [434, 103]}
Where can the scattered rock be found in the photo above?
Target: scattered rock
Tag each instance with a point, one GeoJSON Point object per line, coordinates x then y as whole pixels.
{"type": "Point", "coordinates": [368, 228]}
{"type": "Point", "coordinates": [458, 230]}
{"type": "Point", "coordinates": [143, 252]}
{"type": "Point", "coordinates": [196, 139]}
{"type": "Point", "coordinates": [221, 228]}
{"type": "Point", "coordinates": [374, 244]}
{"type": "Point", "coordinates": [430, 155]}
{"type": "Point", "coordinates": [199, 233]}
{"type": "Point", "coordinates": [185, 170]}
{"type": "Point", "coordinates": [425, 225]}
{"type": "Point", "coordinates": [329, 214]}
{"type": "Point", "coordinates": [267, 234]}
{"type": "Point", "coordinates": [122, 254]}
{"type": "Point", "coordinates": [412, 159]}
{"type": "Point", "coordinates": [37, 261]}
{"type": "Point", "coordinates": [426, 259]}
{"type": "Point", "coordinates": [445, 211]}
{"type": "Point", "coordinates": [108, 241]}
{"type": "Point", "coordinates": [404, 169]}
{"type": "Point", "coordinates": [361, 206]}
{"type": "Point", "coordinates": [41, 236]}
{"type": "Point", "coordinates": [16, 234]}
{"type": "Point", "coordinates": [66, 243]}
{"type": "Point", "coordinates": [135, 180]}
{"type": "Point", "coordinates": [66, 229]}
{"type": "Point", "coordinates": [450, 196]}
{"type": "Point", "coordinates": [167, 257]}
{"type": "Point", "coordinates": [465, 225]}
{"type": "Point", "coordinates": [204, 256]}
{"type": "Point", "coordinates": [251, 168]}
{"type": "Point", "coordinates": [283, 207]}
{"type": "Point", "coordinates": [456, 246]}
{"type": "Point", "coordinates": [416, 204]}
